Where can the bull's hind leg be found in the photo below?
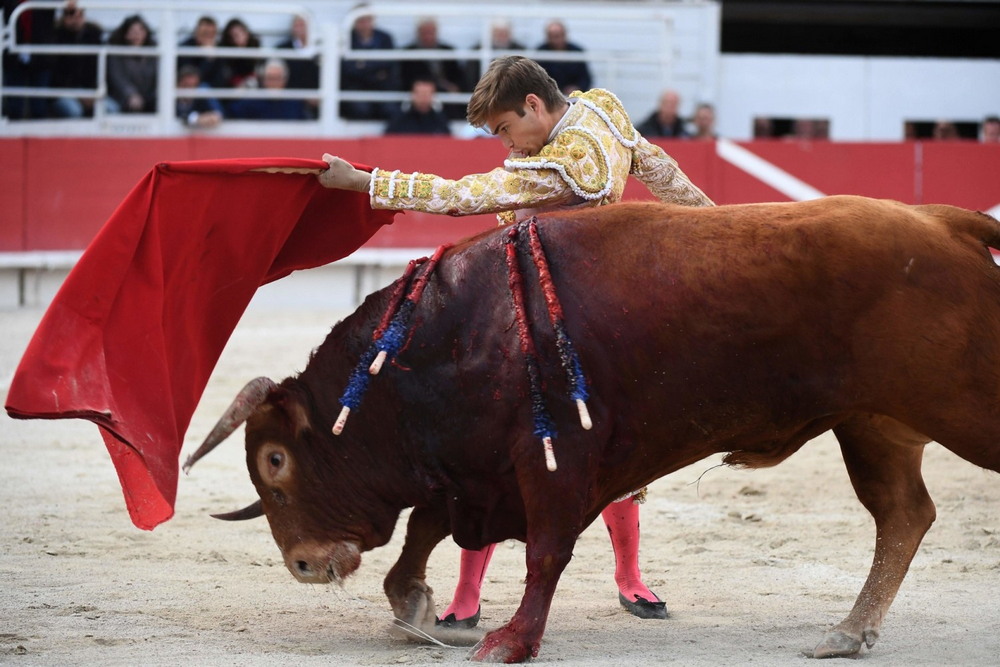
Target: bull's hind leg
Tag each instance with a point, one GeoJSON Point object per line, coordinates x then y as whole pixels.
{"type": "Point", "coordinates": [406, 583]}
{"type": "Point", "coordinates": [883, 459]}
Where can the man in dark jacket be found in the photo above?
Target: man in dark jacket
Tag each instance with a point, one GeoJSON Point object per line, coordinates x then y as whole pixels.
{"type": "Point", "coordinates": [420, 116]}
{"type": "Point", "coordinates": [664, 121]}
{"type": "Point", "coordinates": [569, 75]}
{"type": "Point", "coordinates": [77, 70]}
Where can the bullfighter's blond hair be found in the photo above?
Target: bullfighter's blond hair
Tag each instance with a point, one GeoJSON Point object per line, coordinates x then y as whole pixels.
{"type": "Point", "coordinates": [507, 81]}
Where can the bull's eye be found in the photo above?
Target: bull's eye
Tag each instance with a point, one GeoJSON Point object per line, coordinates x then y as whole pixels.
{"type": "Point", "coordinates": [274, 464]}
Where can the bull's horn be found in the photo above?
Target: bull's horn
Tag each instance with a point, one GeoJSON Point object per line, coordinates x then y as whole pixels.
{"type": "Point", "coordinates": [251, 511]}
{"type": "Point", "coordinates": [251, 396]}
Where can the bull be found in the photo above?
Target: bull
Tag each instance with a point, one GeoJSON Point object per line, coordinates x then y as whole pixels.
{"type": "Point", "coordinates": [746, 330]}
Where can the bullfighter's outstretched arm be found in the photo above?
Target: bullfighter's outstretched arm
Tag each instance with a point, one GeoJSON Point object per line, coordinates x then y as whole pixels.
{"type": "Point", "coordinates": [659, 172]}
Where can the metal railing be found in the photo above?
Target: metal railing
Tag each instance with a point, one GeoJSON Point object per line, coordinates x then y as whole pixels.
{"type": "Point", "coordinates": [630, 64]}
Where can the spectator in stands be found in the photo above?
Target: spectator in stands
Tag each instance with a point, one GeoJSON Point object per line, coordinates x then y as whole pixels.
{"type": "Point", "coordinates": [569, 75]}
{"type": "Point", "coordinates": [704, 122]}
{"type": "Point", "coordinates": [372, 75]}
{"type": "Point", "coordinates": [239, 72]}
{"type": "Point", "coordinates": [665, 121]}
{"type": "Point", "coordinates": [132, 79]}
{"type": "Point", "coordinates": [809, 129]}
{"type": "Point", "coordinates": [196, 112]}
{"type": "Point", "coordinates": [501, 39]}
{"type": "Point", "coordinates": [991, 130]}
{"type": "Point", "coordinates": [421, 115]}
{"type": "Point", "coordinates": [302, 74]}
{"type": "Point", "coordinates": [209, 64]}
{"type": "Point", "coordinates": [448, 75]}
{"type": "Point", "coordinates": [35, 26]}
{"type": "Point", "coordinates": [273, 75]}
{"type": "Point", "coordinates": [75, 71]}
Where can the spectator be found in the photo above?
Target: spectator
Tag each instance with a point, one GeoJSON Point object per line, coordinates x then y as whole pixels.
{"type": "Point", "coordinates": [239, 72]}
{"type": "Point", "coordinates": [501, 39]}
{"type": "Point", "coordinates": [132, 79]}
{"type": "Point", "coordinates": [273, 76]}
{"type": "Point", "coordinates": [373, 75]}
{"type": "Point", "coordinates": [569, 75]}
{"type": "Point", "coordinates": [198, 112]}
{"type": "Point", "coordinates": [808, 129]}
{"type": "Point", "coordinates": [763, 128]}
{"type": "Point", "coordinates": [420, 115]}
{"type": "Point", "coordinates": [78, 70]}
{"type": "Point", "coordinates": [991, 130]}
{"type": "Point", "coordinates": [35, 26]}
{"type": "Point", "coordinates": [665, 121]}
{"type": "Point", "coordinates": [704, 122]}
{"type": "Point", "coordinates": [302, 74]}
{"type": "Point", "coordinates": [209, 64]}
{"type": "Point", "coordinates": [447, 75]}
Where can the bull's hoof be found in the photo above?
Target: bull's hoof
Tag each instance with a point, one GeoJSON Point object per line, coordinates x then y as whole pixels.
{"type": "Point", "coordinates": [503, 646]}
{"type": "Point", "coordinates": [643, 608]}
{"type": "Point", "coordinates": [415, 616]}
{"type": "Point", "coordinates": [837, 644]}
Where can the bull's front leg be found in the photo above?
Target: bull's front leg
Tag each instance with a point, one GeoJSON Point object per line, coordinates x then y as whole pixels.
{"type": "Point", "coordinates": [883, 459]}
{"type": "Point", "coordinates": [405, 585]}
{"type": "Point", "coordinates": [554, 509]}
{"type": "Point", "coordinates": [520, 638]}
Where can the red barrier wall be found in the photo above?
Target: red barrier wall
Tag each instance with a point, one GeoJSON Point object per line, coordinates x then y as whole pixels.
{"type": "Point", "coordinates": [56, 193]}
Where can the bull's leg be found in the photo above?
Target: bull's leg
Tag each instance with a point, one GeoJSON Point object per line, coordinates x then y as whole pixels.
{"type": "Point", "coordinates": [554, 509]}
{"type": "Point", "coordinates": [883, 459]}
{"type": "Point", "coordinates": [546, 557]}
{"type": "Point", "coordinates": [406, 583]}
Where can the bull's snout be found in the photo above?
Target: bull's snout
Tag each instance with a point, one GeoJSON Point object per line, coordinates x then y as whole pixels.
{"type": "Point", "coordinates": [315, 563]}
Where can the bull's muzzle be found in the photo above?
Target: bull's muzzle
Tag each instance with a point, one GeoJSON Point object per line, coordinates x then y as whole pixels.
{"type": "Point", "coordinates": [316, 563]}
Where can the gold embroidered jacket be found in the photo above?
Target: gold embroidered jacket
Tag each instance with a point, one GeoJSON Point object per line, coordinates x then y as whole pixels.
{"type": "Point", "coordinates": [586, 164]}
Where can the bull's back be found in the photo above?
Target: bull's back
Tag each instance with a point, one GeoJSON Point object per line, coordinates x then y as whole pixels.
{"type": "Point", "coordinates": [765, 316]}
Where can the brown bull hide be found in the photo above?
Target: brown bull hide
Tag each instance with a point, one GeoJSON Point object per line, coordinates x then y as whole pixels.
{"type": "Point", "coordinates": [739, 329]}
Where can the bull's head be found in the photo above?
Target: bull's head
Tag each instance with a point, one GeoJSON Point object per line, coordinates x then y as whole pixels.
{"type": "Point", "coordinates": [284, 458]}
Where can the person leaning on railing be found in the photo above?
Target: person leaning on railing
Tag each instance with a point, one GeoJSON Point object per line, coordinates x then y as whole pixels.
{"type": "Point", "coordinates": [75, 70]}
{"type": "Point", "coordinates": [132, 79]}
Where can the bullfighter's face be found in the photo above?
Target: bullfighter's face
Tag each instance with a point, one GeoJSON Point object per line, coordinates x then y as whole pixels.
{"type": "Point", "coordinates": [524, 132]}
{"type": "Point", "coordinates": [301, 506]}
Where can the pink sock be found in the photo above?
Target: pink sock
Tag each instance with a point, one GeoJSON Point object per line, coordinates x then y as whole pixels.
{"type": "Point", "coordinates": [622, 520]}
{"type": "Point", "coordinates": [472, 570]}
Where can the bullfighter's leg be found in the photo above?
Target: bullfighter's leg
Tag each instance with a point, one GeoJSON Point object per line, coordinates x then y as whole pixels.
{"type": "Point", "coordinates": [406, 583]}
{"type": "Point", "coordinates": [463, 612]}
{"type": "Point", "coordinates": [883, 459]}
{"type": "Point", "coordinates": [622, 521]}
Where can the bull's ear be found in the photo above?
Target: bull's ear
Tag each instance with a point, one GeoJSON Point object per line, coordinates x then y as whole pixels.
{"type": "Point", "coordinates": [295, 411]}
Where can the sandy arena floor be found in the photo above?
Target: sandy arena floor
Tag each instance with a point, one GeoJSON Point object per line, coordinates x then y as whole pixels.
{"type": "Point", "coordinates": [754, 565]}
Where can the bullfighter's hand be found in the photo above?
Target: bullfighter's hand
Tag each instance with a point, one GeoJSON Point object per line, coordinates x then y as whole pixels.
{"type": "Point", "coordinates": [343, 176]}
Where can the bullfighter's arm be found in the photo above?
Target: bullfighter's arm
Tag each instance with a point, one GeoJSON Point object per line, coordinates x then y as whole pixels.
{"type": "Point", "coordinates": [659, 172]}
{"type": "Point", "coordinates": [493, 192]}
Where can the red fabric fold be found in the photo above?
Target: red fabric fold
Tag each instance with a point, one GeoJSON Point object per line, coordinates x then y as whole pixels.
{"type": "Point", "coordinates": [132, 336]}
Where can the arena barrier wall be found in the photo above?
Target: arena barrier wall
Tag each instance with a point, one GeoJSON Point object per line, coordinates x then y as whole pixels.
{"type": "Point", "coordinates": [57, 192]}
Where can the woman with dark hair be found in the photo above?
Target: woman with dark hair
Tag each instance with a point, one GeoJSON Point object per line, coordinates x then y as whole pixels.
{"type": "Point", "coordinates": [239, 71]}
{"type": "Point", "coordinates": [132, 79]}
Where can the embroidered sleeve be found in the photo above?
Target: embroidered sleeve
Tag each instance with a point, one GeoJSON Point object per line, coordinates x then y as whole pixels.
{"type": "Point", "coordinates": [492, 192]}
{"type": "Point", "coordinates": [659, 172]}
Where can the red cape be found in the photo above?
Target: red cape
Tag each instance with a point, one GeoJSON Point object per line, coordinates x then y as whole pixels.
{"type": "Point", "coordinates": [132, 336]}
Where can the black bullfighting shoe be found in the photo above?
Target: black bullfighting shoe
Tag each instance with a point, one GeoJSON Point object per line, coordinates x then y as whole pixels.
{"type": "Point", "coordinates": [450, 621]}
{"type": "Point", "coordinates": [642, 607]}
